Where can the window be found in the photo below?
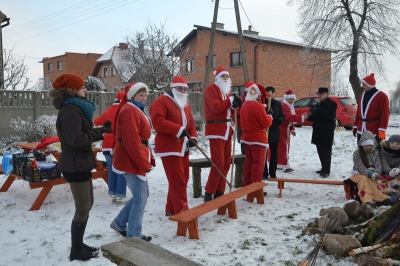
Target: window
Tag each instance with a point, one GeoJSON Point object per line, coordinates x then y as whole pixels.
{"type": "Point", "coordinates": [112, 70]}
{"type": "Point", "coordinates": [236, 60]}
{"type": "Point", "coordinates": [50, 67]}
{"type": "Point", "coordinates": [238, 89]}
{"type": "Point", "coordinates": [302, 103]}
{"type": "Point", "coordinates": [105, 72]}
{"type": "Point", "coordinates": [190, 65]}
{"type": "Point", "coordinates": [213, 62]}
{"type": "Point", "coordinates": [59, 65]}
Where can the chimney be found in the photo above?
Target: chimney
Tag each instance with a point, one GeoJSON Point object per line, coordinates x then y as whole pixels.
{"type": "Point", "coordinates": [123, 45]}
{"type": "Point", "coordinates": [250, 31]}
{"type": "Point", "coordinates": [219, 25]}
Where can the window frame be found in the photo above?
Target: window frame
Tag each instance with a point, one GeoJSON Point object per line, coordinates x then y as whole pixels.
{"type": "Point", "coordinates": [190, 62]}
{"type": "Point", "coordinates": [104, 72]}
{"type": "Point", "coordinates": [59, 63]}
{"type": "Point", "coordinates": [240, 60]}
{"type": "Point", "coordinates": [49, 67]}
{"type": "Point", "coordinates": [112, 71]}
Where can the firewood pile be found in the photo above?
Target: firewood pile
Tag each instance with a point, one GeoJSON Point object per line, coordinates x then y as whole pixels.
{"type": "Point", "coordinates": [369, 234]}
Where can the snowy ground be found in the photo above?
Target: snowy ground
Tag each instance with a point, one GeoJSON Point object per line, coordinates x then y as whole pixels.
{"type": "Point", "coordinates": [267, 234]}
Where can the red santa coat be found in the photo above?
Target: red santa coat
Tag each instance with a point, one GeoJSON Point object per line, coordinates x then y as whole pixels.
{"type": "Point", "coordinates": [169, 121]}
{"type": "Point", "coordinates": [285, 129]}
{"type": "Point", "coordinates": [131, 156]}
{"type": "Point", "coordinates": [377, 107]}
{"type": "Point", "coordinates": [108, 114]}
{"type": "Point", "coordinates": [254, 122]}
{"type": "Point", "coordinates": [217, 107]}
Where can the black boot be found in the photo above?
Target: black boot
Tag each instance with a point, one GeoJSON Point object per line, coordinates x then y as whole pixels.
{"type": "Point", "coordinates": [207, 197]}
{"type": "Point", "coordinates": [218, 194]}
{"type": "Point", "coordinates": [78, 251]}
{"type": "Point", "coordinates": [91, 249]}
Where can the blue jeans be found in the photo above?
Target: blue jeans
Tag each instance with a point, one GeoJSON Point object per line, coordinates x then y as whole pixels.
{"type": "Point", "coordinates": [132, 212]}
{"type": "Point", "coordinates": [116, 182]}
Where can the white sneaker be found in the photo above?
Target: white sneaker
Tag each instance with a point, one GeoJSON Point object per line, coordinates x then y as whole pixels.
{"type": "Point", "coordinates": [113, 199]}
{"type": "Point", "coordinates": [120, 201]}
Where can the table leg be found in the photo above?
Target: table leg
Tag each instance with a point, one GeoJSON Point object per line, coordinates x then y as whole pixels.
{"type": "Point", "coordinates": [41, 197]}
{"type": "Point", "coordinates": [10, 179]}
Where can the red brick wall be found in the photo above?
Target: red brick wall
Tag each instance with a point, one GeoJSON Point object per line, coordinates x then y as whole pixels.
{"type": "Point", "coordinates": [79, 64]}
{"type": "Point", "coordinates": [282, 66]}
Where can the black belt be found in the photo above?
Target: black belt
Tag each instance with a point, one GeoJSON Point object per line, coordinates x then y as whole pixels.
{"type": "Point", "coordinates": [76, 150]}
{"type": "Point", "coordinates": [144, 142]}
{"type": "Point", "coordinates": [218, 121]}
{"type": "Point", "coordinates": [370, 119]}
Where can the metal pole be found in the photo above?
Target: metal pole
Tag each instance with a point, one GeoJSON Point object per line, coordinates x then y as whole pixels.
{"type": "Point", "coordinates": [211, 47]}
{"type": "Point", "coordinates": [242, 51]}
{"type": "Point", "coordinates": [3, 18]}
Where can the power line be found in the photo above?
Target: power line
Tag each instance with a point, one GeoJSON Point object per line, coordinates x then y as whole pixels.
{"type": "Point", "coordinates": [72, 23]}
{"type": "Point", "coordinates": [248, 19]}
{"type": "Point", "coordinates": [64, 19]}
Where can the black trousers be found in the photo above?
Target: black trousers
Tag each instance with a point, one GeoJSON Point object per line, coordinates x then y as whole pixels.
{"type": "Point", "coordinates": [273, 161]}
{"type": "Point", "coordinates": [378, 140]}
{"type": "Point", "coordinates": [325, 155]}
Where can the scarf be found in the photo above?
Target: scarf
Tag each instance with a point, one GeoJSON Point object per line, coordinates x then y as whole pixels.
{"type": "Point", "coordinates": [86, 106]}
{"type": "Point", "coordinates": [138, 104]}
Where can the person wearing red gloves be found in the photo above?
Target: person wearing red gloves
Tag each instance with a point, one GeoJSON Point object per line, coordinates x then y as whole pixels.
{"type": "Point", "coordinates": [372, 111]}
{"type": "Point", "coordinates": [173, 121]}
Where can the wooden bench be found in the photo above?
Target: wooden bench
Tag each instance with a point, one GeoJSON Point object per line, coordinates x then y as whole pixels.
{"type": "Point", "coordinates": [197, 164]}
{"type": "Point", "coordinates": [281, 184]}
{"type": "Point", "coordinates": [187, 220]}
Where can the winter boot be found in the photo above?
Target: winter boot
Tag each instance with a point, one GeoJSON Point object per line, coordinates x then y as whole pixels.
{"type": "Point", "coordinates": [91, 249]}
{"type": "Point", "coordinates": [207, 197]}
{"type": "Point", "coordinates": [78, 251]}
{"type": "Point", "coordinates": [218, 194]}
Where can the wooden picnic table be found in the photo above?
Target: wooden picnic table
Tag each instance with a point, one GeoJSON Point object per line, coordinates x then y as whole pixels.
{"type": "Point", "coordinates": [47, 185]}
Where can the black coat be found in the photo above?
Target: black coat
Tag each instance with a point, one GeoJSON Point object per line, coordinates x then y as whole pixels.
{"type": "Point", "coordinates": [278, 118]}
{"type": "Point", "coordinates": [323, 117]}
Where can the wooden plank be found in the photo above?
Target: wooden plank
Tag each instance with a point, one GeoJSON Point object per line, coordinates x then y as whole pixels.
{"type": "Point", "coordinates": [307, 181]}
{"type": "Point", "coordinates": [206, 207]}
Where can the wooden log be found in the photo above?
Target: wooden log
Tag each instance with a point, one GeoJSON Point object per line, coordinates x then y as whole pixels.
{"type": "Point", "coordinates": [362, 250]}
{"type": "Point", "coordinates": [196, 176]}
{"type": "Point", "coordinates": [388, 251]}
{"type": "Point", "coordinates": [393, 262]}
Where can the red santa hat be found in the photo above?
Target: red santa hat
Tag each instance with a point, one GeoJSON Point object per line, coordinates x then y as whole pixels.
{"type": "Point", "coordinates": [178, 81]}
{"type": "Point", "coordinates": [369, 80]}
{"type": "Point", "coordinates": [220, 71]}
{"type": "Point", "coordinates": [263, 92]}
{"type": "Point", "coordinates": [120, 95]}
{"type": "Point", "coordinates": [252, 91]}
{"type": "Point", "coordinates": [289, 94]}
{"type": "Point", "coordinates": [133, 88]}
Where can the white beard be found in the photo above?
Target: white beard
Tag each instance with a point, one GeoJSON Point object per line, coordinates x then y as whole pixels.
{"type": "Point", "coordinates": [181, 99]}
{"type": "Point", "coordinates": [224, 85]}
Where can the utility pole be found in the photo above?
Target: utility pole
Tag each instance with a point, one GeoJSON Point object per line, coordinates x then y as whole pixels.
{"type": "Point", "coordinates": [3, 18]}
{"type": "Point", "coordinates": [242, 51]}
{"type": "Point", "coordinates": [211, 47]}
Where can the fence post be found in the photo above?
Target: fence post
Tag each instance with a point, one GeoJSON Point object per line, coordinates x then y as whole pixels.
{"type": "Point", "coordinates": [102, 102]}
{"type": "Point", "coordinates": [37, 104]}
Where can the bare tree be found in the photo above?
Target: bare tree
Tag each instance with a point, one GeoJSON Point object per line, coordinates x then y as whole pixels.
{"type": "Point", "coordinates": [358, 30]}
{"type": "Point", "coordinates": [338, 85]}
{"type": "Point", "coordinates": [43, 84]}
{"type": "Point", "coordinates": [395, 108]}
{"type": "Point", "coordinates": [152, 57]}
{"type": "Point", "coordinates": [15, 71]}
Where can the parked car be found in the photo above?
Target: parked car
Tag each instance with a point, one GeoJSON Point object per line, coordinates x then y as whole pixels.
{"type": "Point", "coordinates": [345, 112]}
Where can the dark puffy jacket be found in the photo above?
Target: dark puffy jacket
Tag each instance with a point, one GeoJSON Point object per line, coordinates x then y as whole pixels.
{"type": "Point", "coordinates": [278, 118]}
{"type": "Point", "coordinates": [76, 134]}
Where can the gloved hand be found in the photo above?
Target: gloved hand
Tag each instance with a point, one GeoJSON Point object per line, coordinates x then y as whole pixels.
{"type": "Point", "coordinates": [373, 175]}
{"type": "Point", "coordinates": [237, 101]}
{"type": "Point", "coordinates": [106, 128]}
{"type": "Point", "coordinates": [153, 162]}
{"type": "Point", "coordinates": [191, 144]}
{"type": "Point", "coordinates": [184, 134]}
{"type": "Point", "coordinates": [382, 134]}
{"type": "Point", "coordinates": [394, 172]}
{"type": "Point", "coordinates": [354, 131]}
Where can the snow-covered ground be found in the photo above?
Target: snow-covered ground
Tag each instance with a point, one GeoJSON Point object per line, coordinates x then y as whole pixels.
{"type": "Point", "coordinates": [268, 234]}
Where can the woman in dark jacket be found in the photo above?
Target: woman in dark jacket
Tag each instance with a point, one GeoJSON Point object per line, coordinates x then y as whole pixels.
{"type": "Point", "coordinates": [76, 133]}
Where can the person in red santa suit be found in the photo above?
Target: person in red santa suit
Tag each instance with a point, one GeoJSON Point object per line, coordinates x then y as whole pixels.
{"type": "Point", "coordinates": [116, 182]}
{"type": "Point", "coordinates": [218, 107]}
{"type": "Point", "coordinates": [287, 129]}
{"type": "Point", "coordinates": [372, 112]}
{"type": "Point", "coordinates": [254, 123]}
{"type": "Point", "coordinates": [172, 119]}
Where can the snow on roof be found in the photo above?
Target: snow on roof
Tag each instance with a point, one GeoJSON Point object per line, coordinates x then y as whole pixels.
{"type": "Point", "coordinates": [107, 56]}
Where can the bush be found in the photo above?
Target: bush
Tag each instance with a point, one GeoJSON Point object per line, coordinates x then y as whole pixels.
{"type": "Point", "coordinates": [198, 121]}
{"type": "Point", "coordinates": [33, 131]}
{"type": "Point", "coordinates": [8, 144]}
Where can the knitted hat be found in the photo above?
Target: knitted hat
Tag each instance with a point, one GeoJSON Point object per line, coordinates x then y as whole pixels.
{"type": "Point", "coordinates": [369, 80]}
{"type": "Point", "coordinates": [252, 91]}
{"type": "Point", "coordinates": [289, 95]}
{"type": "Point", "coordinates": [120, 95]}
{"type": "Point", "coordinates": [68, 81]}
{"type": "Point", "coordinates": [133, 88]}
{"type": "Point", "coordinates": [178, 81]}
{"type": "Point", "coordinates": [394, 138]}
{"type": "Point", "coordinates": [220, 71]}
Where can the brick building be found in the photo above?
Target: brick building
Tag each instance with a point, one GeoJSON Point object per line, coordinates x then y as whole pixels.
{"type": "Point", "coordinates": [75, 63]}
{"type": "Point", "coordinates": [270, 62]}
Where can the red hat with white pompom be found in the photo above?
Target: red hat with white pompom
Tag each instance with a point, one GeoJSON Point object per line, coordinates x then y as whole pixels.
{"type": "Point", "coordinates": [369, 80]}
{"type": "Point", "coordinates": [289, 94]}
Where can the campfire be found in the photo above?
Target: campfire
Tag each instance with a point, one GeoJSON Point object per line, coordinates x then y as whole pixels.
{"type": "Point", "coordinates": [369, 234]}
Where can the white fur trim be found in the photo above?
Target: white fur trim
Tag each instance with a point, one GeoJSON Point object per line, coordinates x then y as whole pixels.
{"type": "Point", "coordinates": [367, 142]}
{"type": "Point", "coordinates": [178, 85]}
{"type": "Point", "coordinates": [369, 85]}
{"type": "Point", "coordinates": [290, 96]}
{"type": "Point", "coordinates": [221, 73]}
{"type": "Point", "coordinates": [135, 88]}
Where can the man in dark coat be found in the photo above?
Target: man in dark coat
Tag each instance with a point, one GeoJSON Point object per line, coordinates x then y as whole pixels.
{"type": "Point", "coordinates": [323, 116]}
{"type": "Point", "coordinates": [273, 134]}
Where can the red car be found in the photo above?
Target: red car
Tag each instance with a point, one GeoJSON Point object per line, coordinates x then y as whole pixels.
{"type": "Point", "coordinates": [345, 112]}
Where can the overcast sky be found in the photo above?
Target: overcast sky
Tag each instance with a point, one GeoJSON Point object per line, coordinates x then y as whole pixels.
{"type": "Point", "coordinates": [47, 28]}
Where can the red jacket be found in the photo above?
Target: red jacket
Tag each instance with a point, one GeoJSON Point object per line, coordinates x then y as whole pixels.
{"type": "Point", "coordinates": [290, 118]}
{"type": "Point", "coordinates": [169, 120]}
{"type": "Point", "coordinates": [254, 123]}
{"type": "Point", "coordinates": [108, 114]}
{"type": "Point", "coordinates": [130, 155]}
{"type": "Point", "coordinates": [377, 107]}
{"type": "Point", "coordinates": [217, 107]}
